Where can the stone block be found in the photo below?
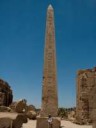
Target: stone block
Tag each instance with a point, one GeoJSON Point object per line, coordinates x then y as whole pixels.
{"type": "Point", "coordinates": [12, 120]}
{"type": "Point", "coordinates": [5, 123]}
{"type": "Point", "coordinates": [94, 125]}
{"type": "Point", "coordinates": [43, 123]}
{"type": "Point", "coordinates": [19, 106]}
{"type": "Point", "coordinates": [31, 115]}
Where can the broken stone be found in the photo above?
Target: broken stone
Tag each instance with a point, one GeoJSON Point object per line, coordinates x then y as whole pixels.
{"type": "Point", "coordinates": [31, 115]}
{"type": "Point", "coordinates": [30, 108]}
{"type": "Point", "coordinates": [19, 106]}
{"type": "Point", "coordinates": [5, 109]}
{"type": "Point", "coordinates": [72, 116]}
{"type": "Point", "coordinates": [12, 120]}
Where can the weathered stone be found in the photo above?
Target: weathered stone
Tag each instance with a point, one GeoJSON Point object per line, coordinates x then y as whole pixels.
{"type": "Point", "coordinates": [12, 120]}
{"type": "Point", "coordinates": [6, 122]}
{"type": "Point", "coordinates": [19, 106]}
{"type": "Point", "coordinates": [43, 123]}
{"type": "Point", "coordinates": [5, 109]}
{"type": "Point", "coordinates": [72, 116]}
{"type": "Point", "coordinates": [30, 108]}
{"type": "Point", "coordinates": [18, 122]}
{"type": "Point", "coordinates": [13, 106]}
{"type": "Point", "coordinates": [49, 92]}
{"type": "Point", "coordinates": [85, 83]}
{"type": "Point", "coordinates": [94, 124]}
{"type": "Point", "coordinates": [31, 115]}
{"type": "Point", "coordinates": [92, 105]}
{"type": "Point", "coordinates": [6, 95]}
{"type": "Point", "coordinates": [49, 89]}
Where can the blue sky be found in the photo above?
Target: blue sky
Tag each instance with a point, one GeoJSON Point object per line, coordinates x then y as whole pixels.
{"type": "Point", "coordinates": [22, 37]}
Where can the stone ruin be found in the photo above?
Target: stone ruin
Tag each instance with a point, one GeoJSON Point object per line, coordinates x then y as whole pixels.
{"type": "Point", "coordinates": [6, 95]}
{"type": "Point", "coordinates": [9, 119]}
{"type": "Point", "coordinates": [12, 120]}
{"type": "Point", "coordinates": [13, 114]}
{"type": "Point", "coordinates": [92, 105]}
{"type": "Point", "coordinates": [86, 81]}
{"type": "Point", "coordinates": [16, 114]}
{"type": "Point", "coordinates": [18, 106]}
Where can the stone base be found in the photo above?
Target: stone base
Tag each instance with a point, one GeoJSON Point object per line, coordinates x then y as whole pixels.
{"type": "Point", "coordinates": [42, 122]}
{"type": "Point", "coordinates": [94, 125]}
{"type": "Point", "coordinates": [94, 122]}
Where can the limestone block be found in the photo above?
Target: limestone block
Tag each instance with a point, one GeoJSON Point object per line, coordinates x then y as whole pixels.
{"type": "Point", "coordinates": [4, 109]}
{"type": "Point", "coordinates": [12, 120]}
{"type": "Point", "coordinates": [19, 106]}
{"type": "Point", "coordinates": [43, 123]}
{"type": "Point", "coordinates": [18, 122]}
{"type": "Point", "coordinates": [94, 124]}
{"type": "Point", "coordinates": [31, 115]}
{"type": "Point", "coordinates": [5, 123]}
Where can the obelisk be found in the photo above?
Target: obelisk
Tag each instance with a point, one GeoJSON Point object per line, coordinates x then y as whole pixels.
{"type": "Point", "coordinates": [49, 89]}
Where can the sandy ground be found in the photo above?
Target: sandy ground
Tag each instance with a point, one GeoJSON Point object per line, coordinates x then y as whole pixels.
{"type": "Point", "coordinates": [64, 124]}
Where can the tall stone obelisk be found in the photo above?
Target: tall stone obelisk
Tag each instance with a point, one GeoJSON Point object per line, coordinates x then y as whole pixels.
{"type": "Point", "coordinates": [49, 88]}
{"type": "Point", "coordinates": [49, 91]}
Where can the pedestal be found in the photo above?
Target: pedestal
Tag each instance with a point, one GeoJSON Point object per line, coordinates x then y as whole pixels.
{"type": "Point", "coordinates": [43, 123]}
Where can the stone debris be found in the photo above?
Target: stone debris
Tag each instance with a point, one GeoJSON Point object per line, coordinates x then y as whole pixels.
{"type": "Point", "coordinates": [18, 122]}
{"type": "Point", "coordinates": [5, 109]}
{"type": "Point", "coordinates": [72, 116]}
{"type": "Point", "coordinates": [30, 108]}
{"type": "Point", "coordinates": [19, 106]}
{"type": "Point", "coordinates": [31, 115]}
{"type": "Point", "coordinates": [12, 120]}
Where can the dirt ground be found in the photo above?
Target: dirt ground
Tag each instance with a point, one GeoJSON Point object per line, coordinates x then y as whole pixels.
{"type": "Point", "coordinates": [64, 124]}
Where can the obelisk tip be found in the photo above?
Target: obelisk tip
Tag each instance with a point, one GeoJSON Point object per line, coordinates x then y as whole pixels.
{"type": "Point", "coordinates": [50, 7]}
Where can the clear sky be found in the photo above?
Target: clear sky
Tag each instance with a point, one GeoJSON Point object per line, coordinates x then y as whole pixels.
{"type": "Point", "coordinates": [22, 35]}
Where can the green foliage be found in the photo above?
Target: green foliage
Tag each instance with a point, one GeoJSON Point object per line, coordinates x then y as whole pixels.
{"type": "Point", "coordinates": [62, 112]}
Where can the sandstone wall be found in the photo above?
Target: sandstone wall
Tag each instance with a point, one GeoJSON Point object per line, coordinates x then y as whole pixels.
{"type": "Point", "coordinates": [85, 84]}
{"type": "Point", "coordinates": [92, 105]}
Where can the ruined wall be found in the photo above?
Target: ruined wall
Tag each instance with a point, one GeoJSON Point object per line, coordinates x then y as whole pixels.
{"type": "Point", "coordinates": [6, 95]}
{"type": "Point", "coordinates": [85, 83]}
{"type": "Point", "coordinates": [92, 104]}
